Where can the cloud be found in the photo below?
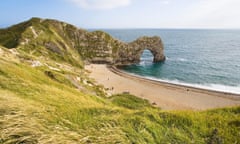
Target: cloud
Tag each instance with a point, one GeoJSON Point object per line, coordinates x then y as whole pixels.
{"type": "Point", "coordinates": [213, 14]}
{"type": "Point", "coordinates": [101, 4]}
{"type": "Point", "coordinates": [166, 2]}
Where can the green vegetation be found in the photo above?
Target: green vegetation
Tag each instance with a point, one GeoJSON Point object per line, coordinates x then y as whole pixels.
{"type": "Point", "coordinates": [129, 101]}
{"type": "Point", "coordinates": [47, 97]}
{"type": "Point", "coordinates": [10, 37]}
{"type": "Point", "coordinates": [38, 105]}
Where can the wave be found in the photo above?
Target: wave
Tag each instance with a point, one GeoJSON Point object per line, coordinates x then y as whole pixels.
{"type": "Point", "coordinates": [182, 59]}
{"type": "Point", "coordinates": [177, 59]}
{"type": "Point", "coordinates": [206, 86]}
{"type": "Point", "coordinates": [145, 63]}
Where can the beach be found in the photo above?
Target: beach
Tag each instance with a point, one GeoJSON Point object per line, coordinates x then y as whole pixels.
{"type": "Point", "coordinates": [161, 94]}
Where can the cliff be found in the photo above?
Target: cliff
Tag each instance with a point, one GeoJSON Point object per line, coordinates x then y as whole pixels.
{"type": "Point", "coordinates": [62, 41]}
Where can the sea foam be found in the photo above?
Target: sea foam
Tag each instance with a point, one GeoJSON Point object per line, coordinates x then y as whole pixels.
{"type": "Point", "coordinates": [207, 86]}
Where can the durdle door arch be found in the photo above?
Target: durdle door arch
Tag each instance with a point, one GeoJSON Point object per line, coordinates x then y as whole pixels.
{"type": "Point", "coordinates": [100, 47]}
{"type": "Point", "coordinates": [132, 52]}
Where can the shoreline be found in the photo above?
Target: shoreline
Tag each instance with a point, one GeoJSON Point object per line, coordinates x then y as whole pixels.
{"type": "Point", "coordinates": [217, 93]}
{"type": "Point", "coordinates": [167, 96]}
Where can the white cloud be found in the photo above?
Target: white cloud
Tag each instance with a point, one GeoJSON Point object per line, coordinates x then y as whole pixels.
{"type": "Point", "coordinates": [101, 4]}
{"type": "Point", "coordinates": [215, 13]}
{"type": "Point", "coordinates": [166, 2]}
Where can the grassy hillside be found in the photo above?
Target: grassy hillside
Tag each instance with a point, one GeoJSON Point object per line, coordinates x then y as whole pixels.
{"type": "Point", "coordinates": [46, 96]}
{"type": "Point", "coordinates": [59, 41]}
{"type": "Point", "coordinates": [10, 37]}
{"type": "Point", "coordinates": [57, 103]}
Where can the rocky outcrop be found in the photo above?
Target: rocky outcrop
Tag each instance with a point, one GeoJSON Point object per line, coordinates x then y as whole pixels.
{"type": "Point", "coordinates": [132, 52]}
{"type": "Point", "coordinates": [62, 41]}
{"type": "Point", "coordinates": [102, 48]}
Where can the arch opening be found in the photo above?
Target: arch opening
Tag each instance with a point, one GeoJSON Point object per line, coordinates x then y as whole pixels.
{"type": "Point", "coordinates": [147, 57]}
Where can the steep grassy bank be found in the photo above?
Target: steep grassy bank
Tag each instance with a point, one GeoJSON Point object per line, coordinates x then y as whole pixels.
{"type": "Point", "coordinates": [57, 103]}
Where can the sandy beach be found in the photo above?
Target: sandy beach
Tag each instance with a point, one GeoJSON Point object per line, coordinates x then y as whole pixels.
{"type": "Point", "coordinates": [164, 95]}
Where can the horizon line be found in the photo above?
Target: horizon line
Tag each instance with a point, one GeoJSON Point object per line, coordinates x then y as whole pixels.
{"type": "Point", "coordinates": [2, 26]}
{"type": "Point", "coordinates": [177, 28]}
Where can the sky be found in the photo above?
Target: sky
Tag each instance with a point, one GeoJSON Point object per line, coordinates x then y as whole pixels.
{"type": "Point", "coordinates": [126, 13]}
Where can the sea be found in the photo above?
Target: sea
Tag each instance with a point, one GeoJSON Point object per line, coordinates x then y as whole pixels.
{"type": "Point", "coordinates": [202, 58]}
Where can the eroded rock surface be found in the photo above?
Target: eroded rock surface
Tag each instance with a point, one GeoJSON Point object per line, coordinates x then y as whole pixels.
{"type": "Point", "coordinates": [132, 52]}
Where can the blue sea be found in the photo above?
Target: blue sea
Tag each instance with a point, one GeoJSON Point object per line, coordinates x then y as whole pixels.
{"type": "Point", "coordinates": [207, 59]}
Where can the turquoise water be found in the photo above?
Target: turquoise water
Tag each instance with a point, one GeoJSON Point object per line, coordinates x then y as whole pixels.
{"type": "Point", "coordinates": [201, 58]}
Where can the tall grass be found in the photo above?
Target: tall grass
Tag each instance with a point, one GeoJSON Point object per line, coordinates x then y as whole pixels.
{"type": "Point", "coordinates": [40, 105]}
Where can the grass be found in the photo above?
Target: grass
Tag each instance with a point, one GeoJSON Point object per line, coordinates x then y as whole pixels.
{"type": "Point", "coordinates": [39, 105]}
{"type": "Point", "coordinates": [10, 37]}
{"type": "Point", "coordinates": [129, 101]}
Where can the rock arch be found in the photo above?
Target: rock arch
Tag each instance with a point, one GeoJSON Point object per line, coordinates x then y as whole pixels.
{"type": "Point", "coordinates": [132, 52]}
{"type": "Point", "coordinates": [100, 47]}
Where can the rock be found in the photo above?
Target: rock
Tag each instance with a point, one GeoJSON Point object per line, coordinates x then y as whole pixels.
{"type": "Point", "coordinates": [126, 92]}
{"type": "Point", "coordinates": [78, 79]}
{"type": "Point", "coordinates": [36, 63]}
{"type": "Point", "coordinates": [132, 52]}
{"type": "Point", "coordinates": [53, 47]}
{"type": "Point", "coordinates": [53, 68]}
{"type": "Point", "coordinates": [85, 82]}
{"type": "Point", "coordinates": [154, 103]}
{"type": "Point", "coordinates": [103, 49]}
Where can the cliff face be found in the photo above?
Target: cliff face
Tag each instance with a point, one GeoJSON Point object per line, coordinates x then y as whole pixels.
{"type": "Point", "coordinates": [64, 41]}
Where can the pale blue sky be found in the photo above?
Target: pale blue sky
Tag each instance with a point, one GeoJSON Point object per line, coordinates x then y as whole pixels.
{"type": "Point", "coordinates": [126, 13]}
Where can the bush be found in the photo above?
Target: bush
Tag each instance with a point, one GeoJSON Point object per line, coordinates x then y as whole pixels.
{"type": "Point", "coordinates": [129, 101]}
